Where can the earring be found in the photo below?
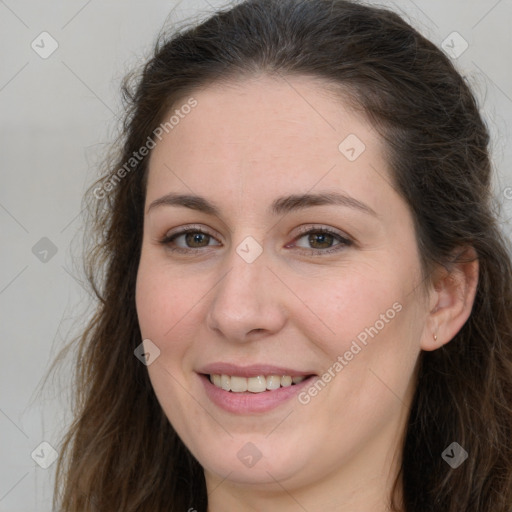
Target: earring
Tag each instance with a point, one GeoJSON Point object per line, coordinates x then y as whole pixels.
{"type": "Point", "coordinates": [435, 337]}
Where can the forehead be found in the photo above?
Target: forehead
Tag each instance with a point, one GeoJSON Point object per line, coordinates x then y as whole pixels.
{"type": "Point", "coordinates": [266, 135]}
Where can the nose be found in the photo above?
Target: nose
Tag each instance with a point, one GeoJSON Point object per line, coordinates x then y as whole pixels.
{"type": "Point", "coordinates": [247, 304]}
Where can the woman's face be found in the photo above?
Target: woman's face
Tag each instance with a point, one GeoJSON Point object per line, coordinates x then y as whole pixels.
{"type": "Point", "coordinates": [257, 295]}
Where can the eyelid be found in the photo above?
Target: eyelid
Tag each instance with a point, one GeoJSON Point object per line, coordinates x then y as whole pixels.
{"type": "Point", "coordinates": [181, 230]}
{"type": "Point", "coordinates": [305, 229]}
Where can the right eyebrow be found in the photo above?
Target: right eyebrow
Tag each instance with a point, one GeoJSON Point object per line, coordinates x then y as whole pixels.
{"type": "Point", "coordinates": [186, 200]}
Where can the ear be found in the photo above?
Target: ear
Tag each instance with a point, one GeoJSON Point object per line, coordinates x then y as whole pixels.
{"type": "Point", "coordinates": [451, 299]}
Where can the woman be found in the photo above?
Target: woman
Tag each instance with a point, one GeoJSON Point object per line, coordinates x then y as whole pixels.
{"type": "Point", "coordinates": [305, 298]}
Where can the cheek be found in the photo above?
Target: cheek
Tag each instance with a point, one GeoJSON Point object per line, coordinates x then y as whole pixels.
{"type": "Point", "coordinates": [163, 307]}
{"type": "Point", "coordinates": [369, 326]}
{"type": "Point", "coordinates": [375, 350]}
{"type": "Point", "coordinates": [357, 304]}
{"type": "Point", "coordinates": [161, 300]}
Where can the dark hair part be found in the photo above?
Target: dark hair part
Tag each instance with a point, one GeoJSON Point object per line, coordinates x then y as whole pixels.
{"type": "Point", "coordinates": [121, 453]}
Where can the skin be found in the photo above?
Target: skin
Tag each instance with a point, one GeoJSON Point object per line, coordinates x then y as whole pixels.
{"type": "Point", "coordinates": [243, 146]}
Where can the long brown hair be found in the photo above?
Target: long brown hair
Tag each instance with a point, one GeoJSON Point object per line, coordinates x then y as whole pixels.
{"type": "Point", "coordinates": [121, 453]}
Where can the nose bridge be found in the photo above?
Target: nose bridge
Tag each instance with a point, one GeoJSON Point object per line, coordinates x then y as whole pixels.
{"type": "Point", "coordinates": [242, 300]}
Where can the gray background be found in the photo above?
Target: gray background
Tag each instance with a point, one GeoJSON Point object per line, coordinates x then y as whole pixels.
{"type": "Point", "coordinates": [57, 117]}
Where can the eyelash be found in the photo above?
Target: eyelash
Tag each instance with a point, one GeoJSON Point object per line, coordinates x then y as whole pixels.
{"type": "Point", "coordinates": [343, 241]}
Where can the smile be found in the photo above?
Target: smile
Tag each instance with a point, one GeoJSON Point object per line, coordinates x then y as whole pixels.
{"type": "Point", "coordinates": [257, 384]}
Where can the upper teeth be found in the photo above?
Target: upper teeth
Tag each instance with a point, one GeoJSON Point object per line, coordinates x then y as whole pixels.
{"type": "Point", "coordinates": [253, 384]}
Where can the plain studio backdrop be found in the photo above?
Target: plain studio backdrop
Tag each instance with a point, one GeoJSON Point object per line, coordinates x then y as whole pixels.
{"type": "Point", "coordinates": [61, 66]}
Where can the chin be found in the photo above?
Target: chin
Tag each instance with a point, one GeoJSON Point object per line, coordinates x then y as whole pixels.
{"type": "Point", "coordinates": [256, 460]}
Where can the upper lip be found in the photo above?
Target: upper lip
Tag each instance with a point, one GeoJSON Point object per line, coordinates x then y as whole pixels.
{"type": "Point", "coordinates": [251, 370]}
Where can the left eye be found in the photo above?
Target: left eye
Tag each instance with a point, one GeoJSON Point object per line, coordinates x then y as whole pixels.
{"type": "Point", "coordinates": [321, 240]}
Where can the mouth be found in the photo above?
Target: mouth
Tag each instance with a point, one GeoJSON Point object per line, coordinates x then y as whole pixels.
{"type": "Point", "coordinates": [253, 389]}
{"type": "Point", "coordinates": [257, 384]}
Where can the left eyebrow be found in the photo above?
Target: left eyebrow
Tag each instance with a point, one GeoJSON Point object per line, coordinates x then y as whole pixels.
{"type": "Point", "coordinates": [280, 206]}
{"type": "Point", "coordinates": [287, 204]}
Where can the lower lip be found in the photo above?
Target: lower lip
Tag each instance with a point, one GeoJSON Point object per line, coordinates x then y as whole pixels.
{"type": "Point", "coordinates": [247, 402]}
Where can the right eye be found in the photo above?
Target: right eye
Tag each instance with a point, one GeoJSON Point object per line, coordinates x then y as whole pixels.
{"type": "Point", "coordinates": [187, 240]}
